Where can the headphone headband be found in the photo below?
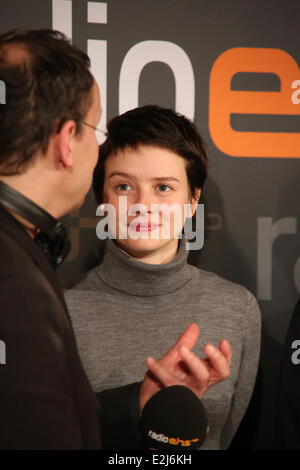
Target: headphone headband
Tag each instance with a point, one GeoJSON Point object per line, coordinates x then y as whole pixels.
{"type": "Point", "coordinates": [52, 238]}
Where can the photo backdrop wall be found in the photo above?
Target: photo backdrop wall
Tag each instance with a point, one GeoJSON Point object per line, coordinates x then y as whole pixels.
{"type": "Point", "coordinates": [232, 67]}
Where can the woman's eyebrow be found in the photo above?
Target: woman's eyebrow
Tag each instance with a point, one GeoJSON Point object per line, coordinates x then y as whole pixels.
{"type": "Point", "coordinates": [169, 178]}
{"type": "Point", "coordinates": [118, 173]}
{"type": "Point", "coordinates": [157, 178]}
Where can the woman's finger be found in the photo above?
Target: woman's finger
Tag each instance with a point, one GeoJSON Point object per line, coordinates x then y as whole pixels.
{"type": "Point", "coordinates": [198, 369]}
{"type": "Point", "coordinates": [188, 339]}
{"type": "Point", "coordinates": [226, 349]}
{"type": "Point", "coordinates": [217, 360]}
{"type": "Point", "coordinates": [161, 373]}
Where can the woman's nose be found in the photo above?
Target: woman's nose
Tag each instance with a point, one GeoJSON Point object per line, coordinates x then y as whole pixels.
{"type": "Point", "coordinates": [143, 199]}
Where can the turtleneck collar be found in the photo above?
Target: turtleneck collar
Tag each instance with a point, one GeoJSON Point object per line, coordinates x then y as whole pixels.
{"type": "Point", "coordinates": [127, 274]}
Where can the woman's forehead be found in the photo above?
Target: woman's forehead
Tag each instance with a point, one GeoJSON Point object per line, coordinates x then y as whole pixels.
{"type": "Point", "coordinates": [156, 161]}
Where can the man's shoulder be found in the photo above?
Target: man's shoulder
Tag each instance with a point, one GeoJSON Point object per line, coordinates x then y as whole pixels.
{"type": "Point", "coordinates": [14, 259]}
{"type": "Point", "coordinates": [23, 285]}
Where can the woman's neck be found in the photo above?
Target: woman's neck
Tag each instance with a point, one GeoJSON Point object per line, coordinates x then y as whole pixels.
{"type": "Point", "coordinates": [132, 276]}
{"type": "Point", "coordinates": [162, 256]}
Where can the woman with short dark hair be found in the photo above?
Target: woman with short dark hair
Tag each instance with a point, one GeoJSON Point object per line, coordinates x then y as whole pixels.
{"type": "Point", "coordinates": [153, 163]}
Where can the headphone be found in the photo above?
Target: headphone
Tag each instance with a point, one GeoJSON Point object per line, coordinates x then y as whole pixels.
{"type": "Point", "coordinates": [52, 237]}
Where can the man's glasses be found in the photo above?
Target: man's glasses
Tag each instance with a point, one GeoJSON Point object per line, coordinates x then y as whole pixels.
{"type": "Point", "coordinates": [99, 132]}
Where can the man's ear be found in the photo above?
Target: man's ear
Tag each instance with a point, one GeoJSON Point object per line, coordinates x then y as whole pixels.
{"type": "Point", "coordinates": [65, 143]}
{"type": "Point", "coordinates": [195, 200]}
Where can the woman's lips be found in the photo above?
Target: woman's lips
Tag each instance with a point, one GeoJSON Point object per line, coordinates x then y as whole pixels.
{"type": "Point", "coordinates": [146, 227]}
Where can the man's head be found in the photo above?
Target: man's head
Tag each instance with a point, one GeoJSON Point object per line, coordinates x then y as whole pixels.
{"type": "Point", "coordinates": [50, 92]}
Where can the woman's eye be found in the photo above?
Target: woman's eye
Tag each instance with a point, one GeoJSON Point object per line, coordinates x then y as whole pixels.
{"type": "Point", "coordinates": [123, 187]}
{"type": "Point", "coordinates": [164, 188]}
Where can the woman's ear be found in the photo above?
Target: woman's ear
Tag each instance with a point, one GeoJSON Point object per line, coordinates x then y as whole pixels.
{"type": "Point", "coordinates": [195, 200]}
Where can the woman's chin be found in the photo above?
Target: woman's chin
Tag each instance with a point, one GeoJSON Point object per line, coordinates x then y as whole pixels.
{"type": "Point", "coordinates": [140, 246]}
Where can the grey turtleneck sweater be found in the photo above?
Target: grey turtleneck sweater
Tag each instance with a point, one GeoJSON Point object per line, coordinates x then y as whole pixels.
{"type": "Point", "coordinates": [125, 310]}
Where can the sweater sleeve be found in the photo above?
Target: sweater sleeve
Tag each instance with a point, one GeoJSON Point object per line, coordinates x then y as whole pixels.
{"type": "Point", "coordinates": [248, 370]}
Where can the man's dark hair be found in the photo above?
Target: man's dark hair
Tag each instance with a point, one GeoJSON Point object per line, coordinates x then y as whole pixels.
{"type": "Point", "coordinates": [48, 82]}
{"type": "Point", "coordinates": [159, 127]}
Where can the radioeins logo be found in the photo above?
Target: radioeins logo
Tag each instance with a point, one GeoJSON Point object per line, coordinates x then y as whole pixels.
{"type": "Point", "coordinates": [171, 440]}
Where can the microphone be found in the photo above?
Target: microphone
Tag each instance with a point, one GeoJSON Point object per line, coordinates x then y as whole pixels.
{"type": "Point", "coordinates": [173, 419]}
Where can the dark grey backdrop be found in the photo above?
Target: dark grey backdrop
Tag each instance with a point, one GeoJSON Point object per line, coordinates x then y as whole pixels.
{"type": "Point", "coordinates": [239, 190]}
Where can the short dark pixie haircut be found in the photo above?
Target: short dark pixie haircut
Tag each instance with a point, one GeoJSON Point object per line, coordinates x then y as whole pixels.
{"type": "Point", "coordinates": [48, 82]}
{"type": "Point", "coordinates": [159, 127]}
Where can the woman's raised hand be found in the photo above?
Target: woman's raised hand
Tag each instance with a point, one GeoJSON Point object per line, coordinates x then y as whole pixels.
{"type": "Point", "coordinates": [180, 366]}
